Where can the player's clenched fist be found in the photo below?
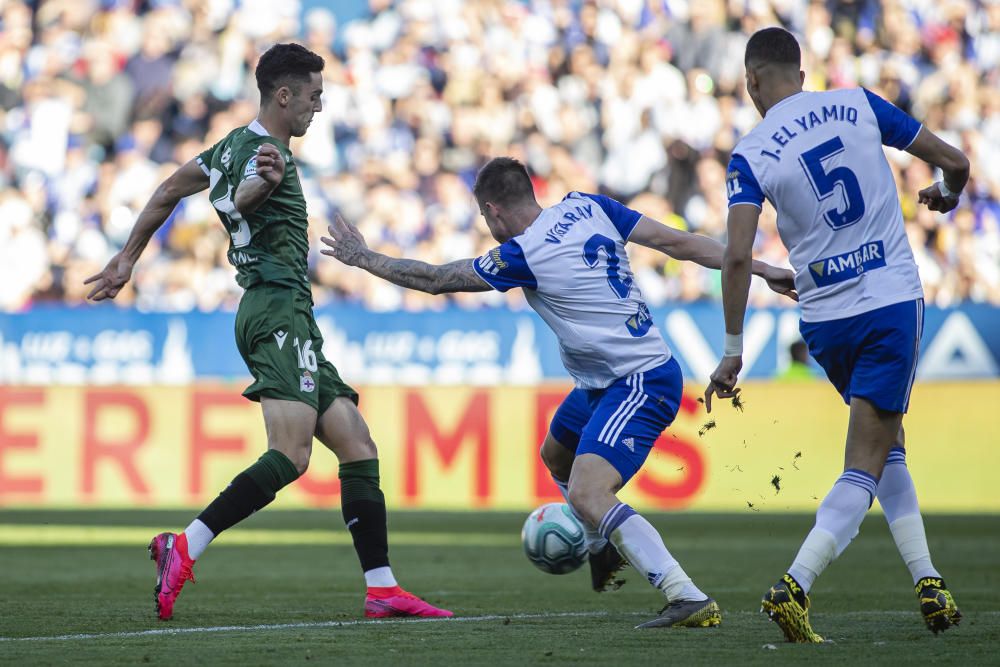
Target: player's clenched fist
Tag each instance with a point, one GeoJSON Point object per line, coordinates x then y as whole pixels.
{"type": "Point", "coordinates": [936, 199]}
{"type": "Point", "coordinates": [270, 164]}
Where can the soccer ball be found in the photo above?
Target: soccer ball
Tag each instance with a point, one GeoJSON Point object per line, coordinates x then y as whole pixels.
{"type": "Point", "coordinates": [553, 539]}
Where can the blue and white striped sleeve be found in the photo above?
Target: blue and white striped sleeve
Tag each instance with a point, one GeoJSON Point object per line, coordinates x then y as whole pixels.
{"type": "Point", "coordinates": [898, 128]}
{"type": "Point", "coordinates": [741, 185]}
{"type": "Point", "coordinates": [505, 267]}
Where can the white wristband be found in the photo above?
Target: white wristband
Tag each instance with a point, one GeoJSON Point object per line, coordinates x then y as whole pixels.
{"type": "Point", "coordinates": [945, 192]}
{"type": "Point", "coordinates": [734, 345]}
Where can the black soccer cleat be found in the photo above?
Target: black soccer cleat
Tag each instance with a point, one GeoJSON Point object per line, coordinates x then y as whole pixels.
{"type": "Point", "coordinates": [937, 605]}
{"type": "Point", "coordinates": [604, 565]}
{"type": "Point", "coordinates": [787, 604]}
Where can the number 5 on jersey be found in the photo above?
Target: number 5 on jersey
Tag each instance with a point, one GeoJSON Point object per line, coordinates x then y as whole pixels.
{"type": "Point", "coordinates": [824, 183]}
{"type": "Point", "coordinates": [237, 227]}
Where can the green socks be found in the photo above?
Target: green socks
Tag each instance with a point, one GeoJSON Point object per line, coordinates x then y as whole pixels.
{"type": "Point", "coordinates": [363, 507]}
{"type": "Point", "coordinates": [250, 491]}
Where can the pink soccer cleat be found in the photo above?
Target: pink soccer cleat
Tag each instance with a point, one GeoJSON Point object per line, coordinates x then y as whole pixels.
{"type": "Point", "coordinates": [173, 568]}
{"type": "Point", "coordinates": [394, 601]}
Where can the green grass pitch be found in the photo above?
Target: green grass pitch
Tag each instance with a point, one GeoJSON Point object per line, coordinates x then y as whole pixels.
{"type": "Point", "coordinates": [285, 588]}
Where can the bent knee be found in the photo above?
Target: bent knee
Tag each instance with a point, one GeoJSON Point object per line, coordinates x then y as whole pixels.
{"type": "Point", "coordinates": [359, 449]}
{"type": "Point", "coordinates": [550, 461]}
{"type": "Point", "coordinates": [302, 462]}
{"type": "Point", "coordinates": [588, 503]}
{"type": "Point", "coordinates": [367, 449]}
{"type": "Point", "coordinates": [558, 459]}
{"type": "Point", "coordinates": [298, 455]}
{"type": "Point", "coordinates": [299, 459]}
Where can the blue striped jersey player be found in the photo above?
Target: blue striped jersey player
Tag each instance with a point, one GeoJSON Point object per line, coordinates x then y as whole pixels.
{"type": "Point", "coordinates": [571, 262]}
{"type": "Point", "coordinates": [817, 157]}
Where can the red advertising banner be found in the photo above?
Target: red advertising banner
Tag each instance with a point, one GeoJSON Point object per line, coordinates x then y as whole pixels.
{"type": "Point", "coordinates": [474, 448]}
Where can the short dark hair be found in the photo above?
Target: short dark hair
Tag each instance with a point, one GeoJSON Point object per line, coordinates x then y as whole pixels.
{"type": "Point", "coordinates": [282, 62]}
{"type": "Point", "coordinates": [503, 180]}
{"type": "Point", "coordinates": [773, 46]}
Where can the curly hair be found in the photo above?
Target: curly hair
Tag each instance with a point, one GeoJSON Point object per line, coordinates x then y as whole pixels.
{"type": "Point", "coordinates": [285, 63]}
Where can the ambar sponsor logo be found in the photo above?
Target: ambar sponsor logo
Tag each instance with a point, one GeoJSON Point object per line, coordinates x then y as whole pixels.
{"type": "Point", "coordinates": [838, 268]}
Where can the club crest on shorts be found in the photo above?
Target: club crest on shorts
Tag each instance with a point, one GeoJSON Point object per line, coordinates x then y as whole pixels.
{"type": "Point", "coordinates": [306, 382]}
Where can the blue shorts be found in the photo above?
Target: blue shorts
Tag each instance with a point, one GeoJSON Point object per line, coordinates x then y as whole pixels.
{"type": "Point", "coordinates": [621, 422]}
{"type": "Point", "coordinates": [872, 355]}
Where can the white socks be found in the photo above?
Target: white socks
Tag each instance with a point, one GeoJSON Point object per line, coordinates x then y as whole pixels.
{"type": "Point", "coordinates": [817, 551]}
{"type": "Point", "coordinates": [380, 577]}
{"type": "Point", "coordinates": [198, 538]}
{"type": "Point", "coordinates": [842, 511]}
{"type": "Point", "coordinates": [896, 493]}
{"type": "Point", "coordinates": [898, 498]}
{"type": "Point", "coordinates": [640, 544]}
{"type": "Point", "coordinates": [595, 541]}
{"type": "Point", "coordinates": [912, 544]}
{"type": "Point", "coordinates": [837, 522]}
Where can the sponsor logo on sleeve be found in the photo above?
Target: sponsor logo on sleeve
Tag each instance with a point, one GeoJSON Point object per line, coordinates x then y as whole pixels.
{"type": "Point", "coordinates": [251, 168]}
{"type": "Point", "coordinates": [733, 186]}
{"type": "Point", "coordinates": [851, 264]}
{"type": "Point", "coordinates": [492, 262]}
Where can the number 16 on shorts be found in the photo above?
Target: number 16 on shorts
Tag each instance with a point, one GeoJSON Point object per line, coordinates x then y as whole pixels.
{"type": "Point", "coordinates": [308, 364]}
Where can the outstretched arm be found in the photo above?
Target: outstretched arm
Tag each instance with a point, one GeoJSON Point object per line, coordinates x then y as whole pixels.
{"type": "Point", "coordinates": [705, 251]}
{"type": "Point", "coordinates": [187, 180]}
{"type": "Point", "coordinates": [742, 224]}
{"type": "Point", "coordinates": [932, 149]}
{"type": "Point", "coordinates": [348, 245]}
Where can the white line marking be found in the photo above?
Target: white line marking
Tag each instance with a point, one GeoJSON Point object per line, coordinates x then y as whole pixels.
{"type": "Point", "coordinates": [300, 626]}
{"type": "Point", "coordinates": [853, 615]}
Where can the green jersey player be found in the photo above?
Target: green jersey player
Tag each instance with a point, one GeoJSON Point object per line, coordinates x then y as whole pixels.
{"type": "Point", "coordinates": [254, 186]}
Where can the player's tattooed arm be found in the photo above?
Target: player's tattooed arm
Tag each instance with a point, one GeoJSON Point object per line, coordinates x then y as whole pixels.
{"type": "Point", "coordinates": [348, 245]}
{"type": "Point", "coordinates": [458, 276]}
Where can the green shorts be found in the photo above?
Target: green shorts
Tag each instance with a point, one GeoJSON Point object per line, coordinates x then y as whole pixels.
{"type": "Point", "coordinates": [281, 345]}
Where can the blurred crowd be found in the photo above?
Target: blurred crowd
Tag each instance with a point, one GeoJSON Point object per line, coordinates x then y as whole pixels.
{"type": "Point", "coordinates": [642, 100]}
